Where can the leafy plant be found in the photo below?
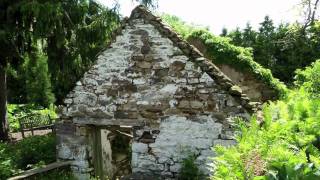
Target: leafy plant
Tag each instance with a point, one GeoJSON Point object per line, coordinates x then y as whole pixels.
{"type": "Point", "coordinates": [221, 51]}
{"type": "Point", "coordinates": [25, 154]}
{"type": "Point", "coordinates": [309, 79]}
{"type": "Point", "coordinates": [30, 151]}
{"type": "Point", "coordinates": [58, 174]}
{"type": "Point", "coordinates": [189, 170]}
{"type": "Point", "coordinates": [6, 165]}
{"type": "Point", "coordinates": [183, 28]}
{"type": "Point", "coordinates": [285, 146]}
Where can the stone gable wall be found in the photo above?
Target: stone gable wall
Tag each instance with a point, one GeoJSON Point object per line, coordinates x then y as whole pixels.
{"type": "Point", "coordinates": [142, 78]}
{"type": "Point", "coordinates": [145, 81]}
{"type": "Point", "coordinates": [254, 88]}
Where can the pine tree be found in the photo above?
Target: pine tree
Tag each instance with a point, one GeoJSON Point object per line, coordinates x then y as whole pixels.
{"type": "Point", "coordinates": [224, 32]}
{"type": "Point", "coordinates": [265, 44]}
{"type": "Point", "coordinates": [249, 36]}
{"type": "Point", "coordinates": [236, 37]}
{"type": "Point", "coordinates": [63, 26]}
{"type": "Point", "coordinates": [38, 83]}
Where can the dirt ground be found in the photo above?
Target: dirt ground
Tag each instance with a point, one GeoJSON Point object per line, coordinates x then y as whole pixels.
{"type": "Point", "coordinates": [18, 136]}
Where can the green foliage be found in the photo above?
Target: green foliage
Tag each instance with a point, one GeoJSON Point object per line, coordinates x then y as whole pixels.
{"type": "Point", "coordinates": [16, 84]}
{"type": "Point", "coordinates": [189, 170]}
{"type": "Point", "coordinates": [58, 174]}
{"type": "Point", "coordinates": [264, 45]}
{"type": "Point", "coordinates": [5, 162]}
{"type": "Point", "coordinates": [281, 49]}
{"type": "Point", "coordinates": [309, 79]}
{"type": "Point", "coordinates": [16, 111]}
{"type": "Point", "coordinates": [25, 154]}
{"type": "Point", "coordinates": [285, 146]}
{"type": "Point", "coordinates": [71, 34]}
{"type": "Point", "coordinates": [183, 28]}
{"type": "Point", "coordinates": [35, 150]}
{"type": "Point", "coordinates": [222, 51]}
{"type": "Point", "coordinates": [38, 84]}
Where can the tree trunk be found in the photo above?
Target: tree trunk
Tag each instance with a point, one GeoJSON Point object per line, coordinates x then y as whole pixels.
{"type": "Point", "coordinates": [4, 125]}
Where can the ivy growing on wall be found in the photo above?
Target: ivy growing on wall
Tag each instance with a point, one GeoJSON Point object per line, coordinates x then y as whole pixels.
{"type": "Point", "coordinates": [221, 51]}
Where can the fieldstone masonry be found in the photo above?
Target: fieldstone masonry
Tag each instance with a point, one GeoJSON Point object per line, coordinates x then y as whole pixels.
{"type": "Point", "coordinates": [176, 101]}
{"type": "Point", "coordinates": [253, 87]}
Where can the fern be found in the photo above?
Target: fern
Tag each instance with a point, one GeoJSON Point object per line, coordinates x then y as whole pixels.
{"type": "Point", "coordinates": [285, 146]}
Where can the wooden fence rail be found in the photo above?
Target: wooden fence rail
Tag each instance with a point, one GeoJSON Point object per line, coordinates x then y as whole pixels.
{"type": "Point", "coordinates": [37, 171]}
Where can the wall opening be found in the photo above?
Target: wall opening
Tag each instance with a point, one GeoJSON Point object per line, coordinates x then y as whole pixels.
{"type": "Point", "coordinates": [112, 152]}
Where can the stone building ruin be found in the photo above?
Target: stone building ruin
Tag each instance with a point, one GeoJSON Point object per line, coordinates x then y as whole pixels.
{"type": "Point", "coordinates": [157, 94]}
{"type": "Point", "coordinates": [253, 87]}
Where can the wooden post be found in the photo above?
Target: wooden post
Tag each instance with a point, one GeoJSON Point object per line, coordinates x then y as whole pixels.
{"type": "Point", "coordinates": [50, 120]}
{"type": "Point", "coordinates": [97, 153]}
{"type": "Point", "coordinates": [32, 128]}
{"type": "Point", "coordinates": [21, 128]}
{"type": "Point", "coordinates": [50, 123]}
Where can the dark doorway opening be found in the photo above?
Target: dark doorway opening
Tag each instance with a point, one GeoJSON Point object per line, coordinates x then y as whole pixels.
{"type": "Point", "coordinates": [112, 152]}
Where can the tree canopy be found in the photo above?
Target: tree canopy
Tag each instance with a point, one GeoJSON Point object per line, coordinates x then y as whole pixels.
{"type": "Point", "coordinates": [62, 35]}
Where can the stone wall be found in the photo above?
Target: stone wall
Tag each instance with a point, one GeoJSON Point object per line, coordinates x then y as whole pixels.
{"type": "Point", "coordinates": [250, 85]}
{"type": "Point", "coordinates": [150, 79]}
{"type": "Point", "coordinates": [107, 167]}
{"type": "Point", "coordinates": [177, 138]}
{"type": "Point", "coordinates": [254, 88]}
{"type": "Point", "coordinates": [73, 144]}
{"type": "Point", "coordinates": [143, 77]}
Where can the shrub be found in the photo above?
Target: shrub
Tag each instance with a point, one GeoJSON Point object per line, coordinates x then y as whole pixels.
{"type": "Point", "coordinates": [309, 79]}
{"type": "Point", "coordinates": [189, 170]}
{"type": "Point", "coordinates": [183, 28]}
{"type": "Point", "coordinates": [26, 154]}
{"type": "Point", "coordinates": [37, 149]}
{"type": "Point", "coordinates": [6, 165]}
{"type": "Point", "coordinates": [286, 146]}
